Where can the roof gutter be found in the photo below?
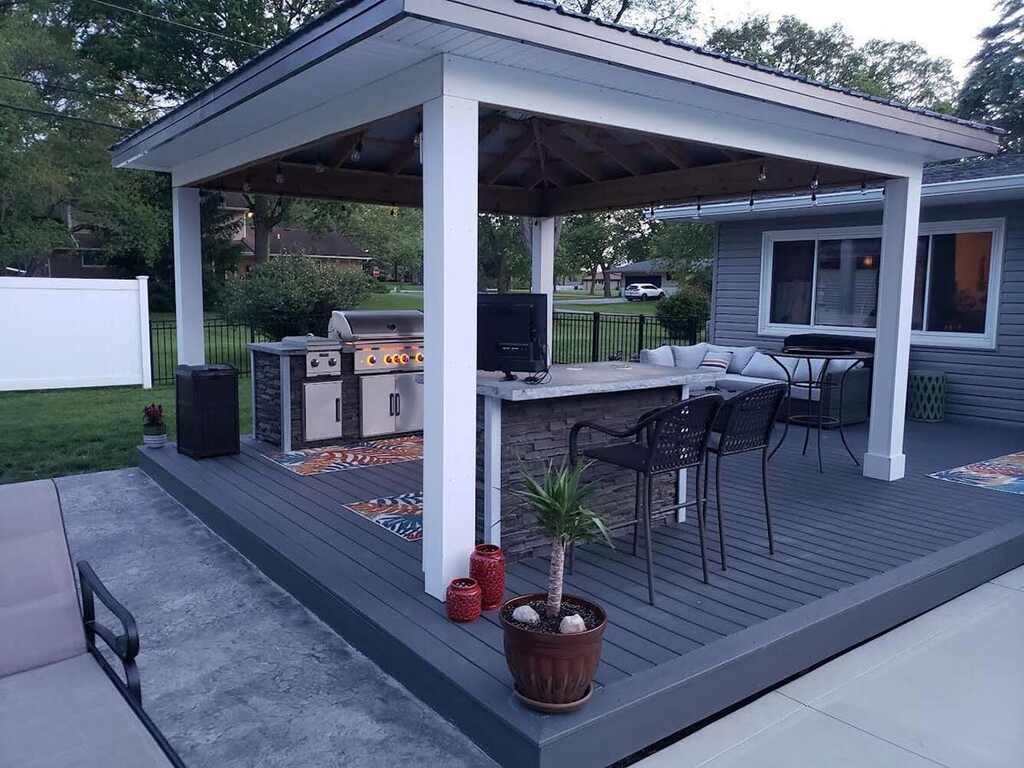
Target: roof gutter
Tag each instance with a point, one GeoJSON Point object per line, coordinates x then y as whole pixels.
{"type": "Point", "coordinates": [871, 197]}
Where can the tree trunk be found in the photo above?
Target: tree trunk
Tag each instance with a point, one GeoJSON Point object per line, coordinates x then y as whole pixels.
{"type": "Point", "coordinates": [593, 280]}
{"type": "Point", "coordinates": [555, 575]}
{"type": "Point", "coordinates": [261, 241]}
{"type": "Point", "coordinates": [607, 275]}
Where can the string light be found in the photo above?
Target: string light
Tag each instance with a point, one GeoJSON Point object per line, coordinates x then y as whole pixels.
{"type": "Point", "coordinates": [279, 176]}
{"type": "Point", "coordinates": [863, 186]}
{"type": "Point", "coordinates": [751, 199]}
{"type": "Point", "coordinates": [762, 175]}
{"type": "Point", "coordinates": [698, 207]}
{"type": "Point", "coordinates": [357, 151]}
{"type": "Point", "coordinates": [246, 186]}
{"type": "Point", "coordinates": [320, 167]}
{"type": "Point", "coordinates": [814, 188]}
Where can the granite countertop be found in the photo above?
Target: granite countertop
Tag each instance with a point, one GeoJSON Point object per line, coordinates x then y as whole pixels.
{"type": "Point", "coordinates": [292, 346]}
{"type": "Point", "coordinates": [593, 378]}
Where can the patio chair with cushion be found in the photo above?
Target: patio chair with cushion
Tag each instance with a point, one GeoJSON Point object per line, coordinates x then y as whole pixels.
{"type": "Point", "coordinates": [663, 441]}
{"type": "Point", "coordinates": [61, 703]}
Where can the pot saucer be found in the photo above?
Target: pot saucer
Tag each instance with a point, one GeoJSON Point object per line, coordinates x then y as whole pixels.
{"type": "Point", "coordinates": [554, 709]}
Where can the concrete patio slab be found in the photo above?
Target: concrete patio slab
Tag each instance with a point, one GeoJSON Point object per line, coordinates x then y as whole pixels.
{"type": "Point", "coordinates": [234, 670]}
{"type": "Point", "coordinates": [1013, 579]}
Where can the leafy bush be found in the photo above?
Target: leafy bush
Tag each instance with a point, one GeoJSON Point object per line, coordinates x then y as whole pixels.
{"type": "Point", "coordinates": [292, 295]}
{"type": "Point", "coordinates": [683, 313]}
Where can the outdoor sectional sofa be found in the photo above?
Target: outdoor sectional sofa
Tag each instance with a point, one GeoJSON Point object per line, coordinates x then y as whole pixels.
{"type": "Point", "coordinates": [748, 367]}
{"type": "Point", "coordinates": [61, 704]}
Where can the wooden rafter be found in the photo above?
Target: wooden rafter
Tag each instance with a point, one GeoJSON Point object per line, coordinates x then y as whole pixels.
{"type": "Point", "coordinates": [340, 150]}
{"type": "Point", "coordinates": [553, 139]}
{"type": "Point", "coordinates": [519, 145]}
{"type": "Point", "coordinates": [611, 146]}
{"type": "Point", "coordinates": [671, 151]}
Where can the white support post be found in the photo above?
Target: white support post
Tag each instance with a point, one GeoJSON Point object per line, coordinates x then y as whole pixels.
{"type": "Point", "coordinates": [542, 248]}
{"type": "Point", "coordinates": [145, 356]}
{"type": "Point", "coordinates": [492, 471]}
{"type": "Point", "coordinates": [684, 394]}
{"type": "Point", "coordinates": [188, 275]}
{"type": "Point", "coordinates": [884, 459]}
{"type": "Point", "coordinates": [450, 170]}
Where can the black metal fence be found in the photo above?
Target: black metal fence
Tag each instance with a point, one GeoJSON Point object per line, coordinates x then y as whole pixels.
{"type": "Point", "coordinates": [578, 337]}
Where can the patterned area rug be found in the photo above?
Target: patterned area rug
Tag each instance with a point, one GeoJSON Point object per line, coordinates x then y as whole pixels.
{"type": "Point", "coordinates": [334, 458]}
{"type": "Point", "coordinates": [1005, 473]}
{"type": "Point", "coordinates": [402, 515]}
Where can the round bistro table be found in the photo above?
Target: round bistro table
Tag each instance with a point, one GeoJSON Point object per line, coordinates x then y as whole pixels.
{"type": "Point", "coordinates": [819, 384]}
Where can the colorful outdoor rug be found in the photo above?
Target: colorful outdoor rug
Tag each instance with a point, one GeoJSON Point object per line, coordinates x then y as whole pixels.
{"type": "Point", "coordinates": [1005, 473]}
{"type": "Point", "coordinates": [402, 515]}
{"type": "Point", "coordinates": [334, 458]}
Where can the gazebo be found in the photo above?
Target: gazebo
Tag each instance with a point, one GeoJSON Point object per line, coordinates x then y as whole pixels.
{"type": "Point", "coordinates": [515, 107]}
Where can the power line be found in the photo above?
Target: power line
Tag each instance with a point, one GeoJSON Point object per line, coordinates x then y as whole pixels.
{"type": "Point", "coordinates": [58, 116]}
{"type": "Point", "coordinates": [43, 86]}
{"type": "Point", "coordinates": [181, 24]}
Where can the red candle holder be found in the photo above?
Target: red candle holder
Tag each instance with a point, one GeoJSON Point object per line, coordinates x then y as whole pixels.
{"type": "Point", "coordinates": [462, 600]}
{"type": "Point", "coordinates": [487, 566]}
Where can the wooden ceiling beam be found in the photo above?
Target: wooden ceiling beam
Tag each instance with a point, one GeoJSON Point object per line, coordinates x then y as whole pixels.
{"type": "Point", "coordinates": [519, 145]}
{"type": "Point", "coordinates": [611, 147]}
{"type": "Point", "coordinates": [710, 182]}
{"type": "Point", "coordinates": [554, 140]}
{"type": "Point", "coordinates": [671, 151]}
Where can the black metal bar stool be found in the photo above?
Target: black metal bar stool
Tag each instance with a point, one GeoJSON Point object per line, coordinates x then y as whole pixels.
{"type": "Point", "coordinates": [667, 440]}
{"type": "Point", "coordinates": [744, 424]}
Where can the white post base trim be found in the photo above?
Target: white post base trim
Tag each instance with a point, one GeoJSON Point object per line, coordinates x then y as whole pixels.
{"type": "Point", "coordinates": [882, 467]}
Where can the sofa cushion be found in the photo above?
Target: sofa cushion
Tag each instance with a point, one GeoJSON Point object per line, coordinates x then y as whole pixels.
{"type": "Point", "coordinates": [39, 613]}
{"type": "Point", "coordinates": [761, 366]}
{"type": "Point", "coordinates": [658, 356]}
{"type": "Point", "coordinates": [69, 714]}
{"type": "Point", "coordinates": [740, 356]}
{"type": "Point", "coordinates": [734, 382]}
{"type": "Point", "coordinates": [716, 361]}
{"type": "Point", "coordinates": [689, 357]}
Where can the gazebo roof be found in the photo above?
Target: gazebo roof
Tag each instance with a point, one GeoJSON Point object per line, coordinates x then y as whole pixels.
{"type": "Point", "coordinates": [531, 161]}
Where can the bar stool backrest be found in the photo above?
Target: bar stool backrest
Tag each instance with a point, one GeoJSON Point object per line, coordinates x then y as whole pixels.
{"type": "Point", "coordinates": [751, 418]}
{"type": "Point", "coordinates": [678, 435]}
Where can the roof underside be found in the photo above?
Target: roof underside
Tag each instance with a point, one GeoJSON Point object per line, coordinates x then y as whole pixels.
{"type": "Point", "coordinates": [529, 163]}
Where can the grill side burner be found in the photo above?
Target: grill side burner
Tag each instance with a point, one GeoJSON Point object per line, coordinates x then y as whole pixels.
{"type": "Point", "coordinates": [385, 351]}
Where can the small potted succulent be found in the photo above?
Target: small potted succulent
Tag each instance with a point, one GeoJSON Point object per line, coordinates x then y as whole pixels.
{"type": "Point", "coordinates": [553, 641]}
{"type": "Point", "coordinates": [154, 431]}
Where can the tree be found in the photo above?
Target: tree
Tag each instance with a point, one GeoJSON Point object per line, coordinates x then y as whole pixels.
{"type": "Point", "coordinates": [685, 249]}
{"type": "Point", "coordinates": [267, 213]}
{"type": "Point", "coordinates": [601, 240]}
{"type": "Point", "coordinates": [504, 258]}
{"type": "Point", "coordinates": [994, 89]}
{"type": "Point", "coordinates": [884, 68]}
{"type": "Point", "coordinates": [668, 18]}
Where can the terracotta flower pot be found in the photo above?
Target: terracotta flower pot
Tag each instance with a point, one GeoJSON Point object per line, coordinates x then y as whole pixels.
{"type": "Point", "coordinates": [462, 600]}
{"type": "Point", "coordinates": [487, 566]}
{"type": "Point", "coordinates": [552, 672]}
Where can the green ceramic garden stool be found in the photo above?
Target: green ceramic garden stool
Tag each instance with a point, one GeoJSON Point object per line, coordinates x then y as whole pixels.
{"type": "Point", "coordinates": [926, 396]}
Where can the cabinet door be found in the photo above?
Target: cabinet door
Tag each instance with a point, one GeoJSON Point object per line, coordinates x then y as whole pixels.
{"type": "Point", "coordinates": [377, 412]}
{"type": "Point", "coordinates": [410, 402]}
{"type": "Point", "coordinates": [322, 411]}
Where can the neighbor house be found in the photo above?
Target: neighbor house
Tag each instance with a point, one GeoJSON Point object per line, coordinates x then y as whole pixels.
{"type": "Point", "coordinates": [651, 271]}
{"type": "Point", "coordinates": [798, 264]}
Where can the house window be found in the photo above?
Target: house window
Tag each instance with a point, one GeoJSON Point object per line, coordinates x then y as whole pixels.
{"type": "Point", "coordinates": [827, 280]}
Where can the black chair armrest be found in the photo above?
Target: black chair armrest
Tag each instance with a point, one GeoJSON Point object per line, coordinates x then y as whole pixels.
{"type": "Point", "coordinates": [574, 433]}
{"type": "Point", "coordinates": [126, 645]}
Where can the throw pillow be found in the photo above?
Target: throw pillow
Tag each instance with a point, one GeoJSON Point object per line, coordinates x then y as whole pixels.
{"type": "Point", "coordinates": [689, 357]}
{"type": "Point", "coordinates": [740, 356]}
{"type": "Point", "coordinates": [659, 356]}
{"type": "Point", "coordinates": [716, 361]}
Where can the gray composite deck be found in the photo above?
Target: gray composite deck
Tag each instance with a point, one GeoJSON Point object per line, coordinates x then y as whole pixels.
{"type": "Point", "coordinates": [854, 557]}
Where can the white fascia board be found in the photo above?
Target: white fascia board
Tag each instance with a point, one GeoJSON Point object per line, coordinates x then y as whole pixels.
{"type": "Point", "coordinates": [700, 115]}
{"type": "Point", "coordinates": [848, 199]}
{"type": "Point", "coordinates": [395, 93]}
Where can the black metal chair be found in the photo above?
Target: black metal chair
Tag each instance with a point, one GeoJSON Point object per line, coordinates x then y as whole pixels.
{"type": "Point", "coordinates": [744, 424]}
{"type": "Point", "coordinates": [667, 440]}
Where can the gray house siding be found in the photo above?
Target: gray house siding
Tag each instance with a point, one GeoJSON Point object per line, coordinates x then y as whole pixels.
{"type": "Point", "coordinates": [982, 384]}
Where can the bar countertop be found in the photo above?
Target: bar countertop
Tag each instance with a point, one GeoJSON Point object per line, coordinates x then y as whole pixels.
{"type": "Point", "coordinates": [593, 378]}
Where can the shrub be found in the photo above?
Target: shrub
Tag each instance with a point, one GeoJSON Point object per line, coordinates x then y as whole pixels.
{"type": "Point", "coordinates": [683, 313]}
{"type": "Point", "coordinates": [293, 295]}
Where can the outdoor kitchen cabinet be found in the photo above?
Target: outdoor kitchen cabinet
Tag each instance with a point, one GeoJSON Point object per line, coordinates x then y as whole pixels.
{"type": "Point", "coordinates": [321, 403]}
{"type": "Point", "coordinates": [391, 403]}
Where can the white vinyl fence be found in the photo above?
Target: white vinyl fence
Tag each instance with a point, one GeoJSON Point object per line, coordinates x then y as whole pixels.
{"type": "Point", "coordinates": [69, 332]}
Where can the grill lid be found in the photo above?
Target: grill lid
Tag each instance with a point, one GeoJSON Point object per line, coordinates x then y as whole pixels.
{"type": "Point", "coordinates": [365, 324]}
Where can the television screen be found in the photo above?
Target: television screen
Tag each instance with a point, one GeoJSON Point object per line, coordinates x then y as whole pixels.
{"type": "Point", "coordinates": [512, 331]}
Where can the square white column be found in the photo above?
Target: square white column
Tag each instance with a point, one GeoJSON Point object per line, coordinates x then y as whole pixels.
{"type": "Point", "coordinates": [884, 459]}
{"type": "Point", "coordinates": [450, 140]}
{"type": "Point", "coordinates": [188, 275]}
{"type": "Point", "coordinates": [542, 248]}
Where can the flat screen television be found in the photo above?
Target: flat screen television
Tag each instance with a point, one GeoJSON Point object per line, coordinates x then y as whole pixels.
{"type": "Point", "coordinates": [512, 332]}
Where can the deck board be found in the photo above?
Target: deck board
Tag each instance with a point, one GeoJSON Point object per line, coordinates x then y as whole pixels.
{"type": "Point", "coordinates": [852, 556]}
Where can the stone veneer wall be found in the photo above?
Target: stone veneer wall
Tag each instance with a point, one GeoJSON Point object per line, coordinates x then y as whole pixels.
{"type": "Point", "coordinates": [535, 433]}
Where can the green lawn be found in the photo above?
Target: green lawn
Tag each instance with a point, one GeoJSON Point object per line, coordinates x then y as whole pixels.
{"type": "Point", "coordinates": [64, 432]}
{"type": "Point", "coordinates": [617, 308]}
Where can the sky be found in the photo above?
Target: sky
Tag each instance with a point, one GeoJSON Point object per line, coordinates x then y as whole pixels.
{"type": "Point", "coordinates": [944, 27]}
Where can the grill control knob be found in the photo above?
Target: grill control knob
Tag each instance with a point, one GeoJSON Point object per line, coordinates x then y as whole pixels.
{"type": "Point", "coordinates": [388, 359]}
{"type": "Point", "coordinates": [314, 363]}
{"type": "Point", "coordinates": [405, 359]}
{"type": "Point", "coordinates": [332, 361]}
{"type": "Point", "coordinates": [419, 357]}
{"type": "Point", "coordinates": [371, 360]}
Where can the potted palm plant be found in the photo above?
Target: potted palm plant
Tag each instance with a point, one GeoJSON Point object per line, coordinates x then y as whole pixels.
{"type": "Point", "coordinates": [154, 431]}
{"type": "Point", "coordinates": [552, 640]}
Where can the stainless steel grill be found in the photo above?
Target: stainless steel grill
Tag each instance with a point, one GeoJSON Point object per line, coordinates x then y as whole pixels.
{"type": "Point", "coordinates": [387, 355]}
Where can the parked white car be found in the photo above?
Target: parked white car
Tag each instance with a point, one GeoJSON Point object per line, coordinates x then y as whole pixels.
{"type": "Point", "coordinates": [642, 292]}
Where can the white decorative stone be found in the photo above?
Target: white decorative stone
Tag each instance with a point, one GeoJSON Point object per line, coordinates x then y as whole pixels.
{"type": "Point", "coordinates": [571, 625]}
{"type": "Point", "coordinates": [526, 614]}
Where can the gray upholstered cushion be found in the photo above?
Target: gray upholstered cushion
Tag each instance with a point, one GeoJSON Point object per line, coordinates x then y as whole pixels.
{"type": "Point", "coordinates": [689, 357]}
{"type": "Point", "coordinates": [39, 614]}
{"type": "Point", "coordinates": [740, 356]}
{"type": "Point", "coordinates": [658, 356]}
{"type": "Point", "coordinates": [761, 366]}
{"type": "Point", "coordinates": [69, 715]}
{"type": "Point", "coordinates": [734, 382]}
